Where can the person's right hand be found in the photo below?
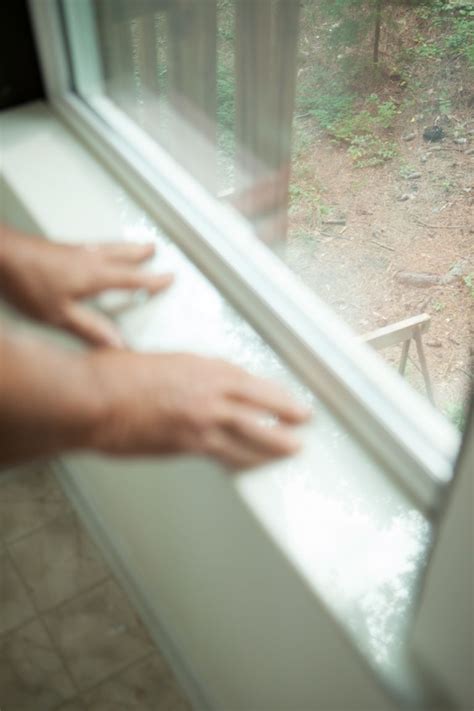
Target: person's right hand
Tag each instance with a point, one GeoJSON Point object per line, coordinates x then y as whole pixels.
{"type": "Point", "coordinates": [184, 403]}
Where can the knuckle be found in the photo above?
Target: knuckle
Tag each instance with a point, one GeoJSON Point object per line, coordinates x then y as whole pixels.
{"type": "Point", "coordinates": [210, 442]}
{"type": "Point", "coordinates": [60, 317]}
{"type": "Point", "coordinates": [203, 420]}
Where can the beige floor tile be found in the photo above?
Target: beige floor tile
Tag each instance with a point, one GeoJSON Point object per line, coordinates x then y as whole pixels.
{"type": "Point", "coordinates": [58, 561]}
{"type": "Point", "coordinates": [32, 676]}
{"type": "Point", "coordinates": [15, 605]}
{"type": "Point", "coordinates": [28, 500]}
{"type": "Point", "coordinates": [98, 634]}
{"type": "Point", "coordinates": [147, 686]}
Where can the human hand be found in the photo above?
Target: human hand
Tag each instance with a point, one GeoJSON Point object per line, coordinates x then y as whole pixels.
{"type": "Point", "coordinates": [184, 403]}
{"type": "Point", "coordinates": [48, 281]}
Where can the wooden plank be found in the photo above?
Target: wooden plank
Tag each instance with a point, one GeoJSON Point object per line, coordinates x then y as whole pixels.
{"type": "Point", "coordinates": [397, 332]}
{"type": "Point", "coordinates": [266, 51]}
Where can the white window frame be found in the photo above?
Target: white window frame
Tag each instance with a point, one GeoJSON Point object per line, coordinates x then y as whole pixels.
{"type": "Point", "coordinates": [415, 445]}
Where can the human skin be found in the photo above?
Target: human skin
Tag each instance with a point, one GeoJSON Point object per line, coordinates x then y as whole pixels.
{"type": "Point", "coordinates": [113, 400]}
{"type": "Point", "coordinates": [48, 281]}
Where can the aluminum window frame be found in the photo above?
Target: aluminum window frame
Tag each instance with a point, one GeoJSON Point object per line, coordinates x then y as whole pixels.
{"type": "Point", "coordinates": [415, 445]}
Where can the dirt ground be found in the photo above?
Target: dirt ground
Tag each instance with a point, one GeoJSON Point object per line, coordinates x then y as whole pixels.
{"type": "Point", "coordinates": [414, 212]}
{"type": "Point", "coordinates": [394, 224]}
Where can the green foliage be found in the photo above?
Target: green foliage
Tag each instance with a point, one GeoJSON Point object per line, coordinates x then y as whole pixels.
{"type": "Point", "coordinates": [428, 50]}
{"type": "Point", "coordinates": [469, 282]}
{"type": "Point", "coordinates": [350, 19]}
{"type": "Point", "coordinates": [461, 39]}
{"type": "Point", "coordinates": [357, 127]}
{"type": "Point", "coordinates": [458, 21]}
{"type": "Point", "coordinates": [382, 113]}
{"type": "Point", "coordinates": [337, 91]}
{"type": "Point", "coordinates": [367, 151]}
{"type": "Point", "coordinates": [307, 193]}
{"type": "Point", "coordinates": [406, 169]}
{"type": "Point", "coordinates": [444, 104]}
{"type": "Point", "coordinates": [361, 129]}
{"type": "Point", "coordinates": [457, 413]}
{"type": "Point", "coordinates": [329, 108]}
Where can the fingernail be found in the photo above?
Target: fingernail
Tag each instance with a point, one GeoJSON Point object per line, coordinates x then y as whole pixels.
{"type": "Point", "coordinates": [161, 282]}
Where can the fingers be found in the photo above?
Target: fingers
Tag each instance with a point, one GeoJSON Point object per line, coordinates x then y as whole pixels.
{"type": "Point", "coordinates": [237, 452]}
{"type": "Point", "coordinates": [92, 326]}
{"type": "Point", "coordinates": [269, 397]}
{"type": "Point", "coordinates": [127, 253]}
{"type": "Point", "coordinates": [114, 266]}
{"type": "Point", "coordinates": [122, 278]}
{"type": "Point", "coordinates": [266, 437]}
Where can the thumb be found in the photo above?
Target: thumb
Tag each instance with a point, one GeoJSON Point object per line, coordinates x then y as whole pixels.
{"type": "Point", "coordinates": [92, 326]}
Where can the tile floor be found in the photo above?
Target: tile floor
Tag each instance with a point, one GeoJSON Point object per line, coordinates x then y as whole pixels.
{"type": "Point", "coordinates": [69, 638]}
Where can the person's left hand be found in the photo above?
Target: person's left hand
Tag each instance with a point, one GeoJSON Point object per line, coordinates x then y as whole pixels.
{"type": "Point", "coordinates": [49, 281]}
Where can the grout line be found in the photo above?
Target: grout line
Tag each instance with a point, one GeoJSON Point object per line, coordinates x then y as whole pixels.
{"type": "Point", "coordinates": [43, 623]}
{"type": "Point", "coordinates": [43, 615]}
{"type": "Point", "coordinates": [70, 598]}
{"type": "Point", "coordinates": [75, 596]}
{"type": "Point", "coordinates": [110, 677]}
{"type": "Point", "coordinates": [7, 541]}
{"type": "Point", "coordinates": [25, 586]}
{"type": "Point", "coordinates": [22, 536]}
{"type": "Point", "coordinates": [17, 628]}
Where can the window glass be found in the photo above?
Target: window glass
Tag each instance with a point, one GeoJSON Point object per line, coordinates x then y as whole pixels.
{"type": "Point", "coordinates": [343, 132]}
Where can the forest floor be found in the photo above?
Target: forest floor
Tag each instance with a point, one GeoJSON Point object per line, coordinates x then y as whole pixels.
{"type": "Point", "coordinates": [404, 204]}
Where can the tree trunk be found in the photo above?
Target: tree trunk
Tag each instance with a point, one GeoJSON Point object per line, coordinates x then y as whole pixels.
{"type": "Point", "coordinates": [378, 22]}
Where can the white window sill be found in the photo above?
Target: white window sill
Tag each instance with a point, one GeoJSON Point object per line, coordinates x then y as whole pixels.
{"type": "Point", "coordinates": [347, 531]}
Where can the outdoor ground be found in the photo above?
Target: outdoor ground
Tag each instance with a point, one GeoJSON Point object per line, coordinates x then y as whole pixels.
{"type": "Point", "coordinates": [405, 204]}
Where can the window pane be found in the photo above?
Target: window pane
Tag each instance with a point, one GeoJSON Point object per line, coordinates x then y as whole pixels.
{"type": "Point", "coordinates": [321, 123]}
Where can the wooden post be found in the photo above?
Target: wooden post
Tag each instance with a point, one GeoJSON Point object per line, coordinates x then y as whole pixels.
{"type": "Point", "coordinates": [266, 51]}
{"type": "Point", "coordinates": [424, 365]}
{"type": "Point", "coordinates": [115, 27]}
{"type": "Point", "coordinates": [404, 357]}
{"type": "Point", "coordinates": [192, 86]}
{"type": "Point", "coordinates": [378, 23]}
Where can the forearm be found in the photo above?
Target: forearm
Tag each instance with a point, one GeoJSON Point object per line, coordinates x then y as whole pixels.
{"type": "Point", "coordinates": [49, 401]}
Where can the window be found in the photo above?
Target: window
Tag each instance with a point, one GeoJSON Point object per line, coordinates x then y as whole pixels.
{"type": "Point", "coordinates": [216, 85]}
{"type": "Point", "coordinates": [92, 91]}
{"type": "Point", "coordinates": [129, 78]}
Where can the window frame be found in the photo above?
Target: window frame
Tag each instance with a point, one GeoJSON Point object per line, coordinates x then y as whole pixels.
{"type": "Point", "coordinates": [415, 445]}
